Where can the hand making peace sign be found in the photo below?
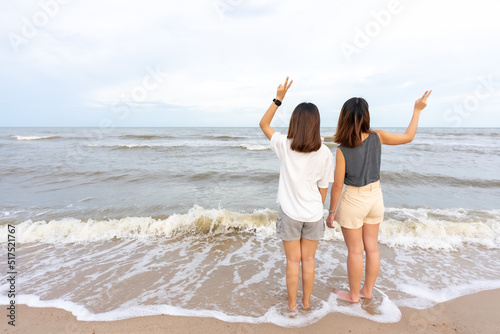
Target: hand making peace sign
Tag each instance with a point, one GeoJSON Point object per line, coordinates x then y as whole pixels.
{"type": "Point", "coordinates": [421, 103]}
{"type": "Point", "coordinates": [282, 89]}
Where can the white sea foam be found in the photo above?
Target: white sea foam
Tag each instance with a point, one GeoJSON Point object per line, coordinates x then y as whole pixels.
{"type": "Point", "coordinates": [130, 145]}
{"type": "Point", "coordinates": [432, 297]}
{"type": "Point", "coordinates": [439, 229]}
{"type": "Point", "coordinates": [254, 147]}
{"type": "Point", "coordinates": [234, 277]}
{"type": "Point", "coordinates": [33, 137]}
{"type": "Point", "coordinates": [386, 312]}
{"type": "Point", "coordinates": [446, 230]}
{"type": "Point", "coordinates": [197, 220]}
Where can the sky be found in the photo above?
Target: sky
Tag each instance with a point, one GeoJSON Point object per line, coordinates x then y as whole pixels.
{"type": "Point", "coordinates": [218, 62]}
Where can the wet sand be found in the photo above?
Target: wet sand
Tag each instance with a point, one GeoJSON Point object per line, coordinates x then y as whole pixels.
{"type": "Point", "coordinates": [477, 313]}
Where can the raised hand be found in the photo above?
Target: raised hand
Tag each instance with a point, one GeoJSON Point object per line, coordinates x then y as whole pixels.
{"type": "Point", "coordinates": [421, 103]}
{"type": "Point", "coordinates": [282, 89]}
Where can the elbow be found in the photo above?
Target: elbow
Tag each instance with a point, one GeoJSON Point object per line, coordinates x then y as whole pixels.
{"type": "Point", "coordinates": [408, 139]}
{"type": "Point", "coordinates": [262, 124]}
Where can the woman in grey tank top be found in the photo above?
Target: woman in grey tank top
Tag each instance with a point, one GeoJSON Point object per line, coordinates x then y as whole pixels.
{"type": "Point", "coordinates": [360, 208]}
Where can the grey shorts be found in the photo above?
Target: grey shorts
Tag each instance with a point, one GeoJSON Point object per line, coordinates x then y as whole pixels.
{"type": "Point", "coordinates": [289, 229]}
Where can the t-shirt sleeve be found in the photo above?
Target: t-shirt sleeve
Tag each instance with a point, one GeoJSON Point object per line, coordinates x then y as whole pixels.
{"type": "Point", "coordinates": [327, 177]}
{"type": "Point", "coordinates": [277, 144]}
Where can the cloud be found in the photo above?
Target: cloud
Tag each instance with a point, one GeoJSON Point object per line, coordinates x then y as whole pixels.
{"type": "Point", "coordinates": [227, 57]}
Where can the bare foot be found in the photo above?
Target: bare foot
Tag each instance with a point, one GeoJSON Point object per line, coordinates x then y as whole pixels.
{"type": "Point", "coordinates": [346, 296]}
{"type": "Point", "coordinates": [365, 294]}
{"type": "Point", "coordinates": [306, 305]}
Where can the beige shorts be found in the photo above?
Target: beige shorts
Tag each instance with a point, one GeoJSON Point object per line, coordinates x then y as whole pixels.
{"type": "Point", "coordinates": [360, 205]}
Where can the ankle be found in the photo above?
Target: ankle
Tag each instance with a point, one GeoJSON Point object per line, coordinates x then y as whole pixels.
{"type": "Point", "coordinates": [365, 292]}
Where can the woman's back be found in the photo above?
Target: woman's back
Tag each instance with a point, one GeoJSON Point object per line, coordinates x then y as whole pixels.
{"type": "Point", "coordinates": [363, 161]}
{"type": "Point", "coordinates": [300, 176]}
{"type": "Point", "coordinates": [359, 209]}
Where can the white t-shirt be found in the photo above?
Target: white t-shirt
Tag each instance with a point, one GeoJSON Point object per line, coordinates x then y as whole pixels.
{"type": "Point", "coordinates": [300, 176]}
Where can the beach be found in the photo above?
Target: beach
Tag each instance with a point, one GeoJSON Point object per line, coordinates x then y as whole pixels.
{"type": "Point", "coordinates": [477, 313]}
{"type": "Point", "coordinates": [121, 225]}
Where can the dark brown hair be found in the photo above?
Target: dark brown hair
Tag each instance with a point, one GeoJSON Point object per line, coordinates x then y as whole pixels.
{"type": "Point", "coordinates": [354, 120]}
{"type": "Point", "coordinates": [304, 128]}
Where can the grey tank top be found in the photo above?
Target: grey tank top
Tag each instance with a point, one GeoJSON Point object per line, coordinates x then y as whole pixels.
{"type": "Point", "coordinates": [362, 163]}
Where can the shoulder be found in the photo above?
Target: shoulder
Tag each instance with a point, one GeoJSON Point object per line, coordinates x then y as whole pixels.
{"type": "Point", "coordinates": [277, 137]}
{"type": "Point", "coordinates": [339, 151]}
{"type": "Point", "coordinates": [325, 150]}
{"type": "Point", "coordinates": [342, 148]}
{"type": "Point", "coordinates": [276, 134]}
{"type": "Point", "coordinates": [379, 135]}
{"type": "Point", "coordinates": [279, 143]}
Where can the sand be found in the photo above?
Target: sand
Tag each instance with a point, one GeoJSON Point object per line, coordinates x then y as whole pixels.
{"type": "Point", "coordinates": [476, 313]}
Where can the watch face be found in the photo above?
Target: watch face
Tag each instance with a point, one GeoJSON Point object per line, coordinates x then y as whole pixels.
{"type": "Point", "coordinates": [277, 102]}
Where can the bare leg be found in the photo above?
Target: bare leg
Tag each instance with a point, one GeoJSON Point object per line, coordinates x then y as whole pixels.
{"type": "Point", "coordinates": [354, 241]}
{"type": "Point", "coordinates": [308, 248]}
{"type": "Point", "coordinates": [370, 240]}
{"type": "Point", "coordinates": [293, 255]}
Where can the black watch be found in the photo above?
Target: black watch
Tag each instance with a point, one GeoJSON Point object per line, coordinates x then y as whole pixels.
{"type": "Point", "coordinates": [277, 102]}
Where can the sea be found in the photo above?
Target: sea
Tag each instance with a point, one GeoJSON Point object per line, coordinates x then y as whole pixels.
{"type": "Point", "coordinates": [114, 223]}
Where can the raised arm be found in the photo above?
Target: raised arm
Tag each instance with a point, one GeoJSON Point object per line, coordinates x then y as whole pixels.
{"type": "Point", "coordinates": [338, 184]}
{"type": "Point", "coordinates": [265, 122]}
{"type": "Point", "coordinates": [388, 138]}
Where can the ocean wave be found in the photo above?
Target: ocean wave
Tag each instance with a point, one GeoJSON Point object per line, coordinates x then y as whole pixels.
{"type": "Point", "coordinates": [440, 229]}
{"type": "Point", "coordinates": [147, 137]}
{"type": "Point", "coordinates": [257, 147]}
{"type": "Point", "coordinates": [34, 137]}
{"type": "Point", "coordinates": [254, 147]}
{"type": "Point", "coordinates": [464, 149]}
{"type": "Point", "coordinates": [328, 139]}
{"type": "Point", "coordinates": [402, 228]}
{"type": "Point", "coordinates": [223, 137]}
{"type": "Point", "coordinates": [197, 221]}
{"type": "Point", "coordinates": [249, 147]}
{"type": "Point", "coordinates": [203, 176]}
{"type": "Point", "coordinates": [222, 177]}
{"type": "Point", "coordinates": [464, 134]}
{"type": "Point", "coordinates": [135, 146]}
{"type": "Point", "coordinates": [412, 178]}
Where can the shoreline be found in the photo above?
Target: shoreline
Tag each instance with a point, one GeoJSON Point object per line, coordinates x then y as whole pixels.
{"type": "Point", "coordinates": [475, 313]}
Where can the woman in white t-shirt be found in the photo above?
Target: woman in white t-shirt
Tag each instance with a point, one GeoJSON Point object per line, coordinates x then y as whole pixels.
{"type": "Point", "coordinates": [305, 174]}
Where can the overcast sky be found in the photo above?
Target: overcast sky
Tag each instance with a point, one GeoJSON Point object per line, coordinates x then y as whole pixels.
{"type": "Point", "coordinates": [218, 62]}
